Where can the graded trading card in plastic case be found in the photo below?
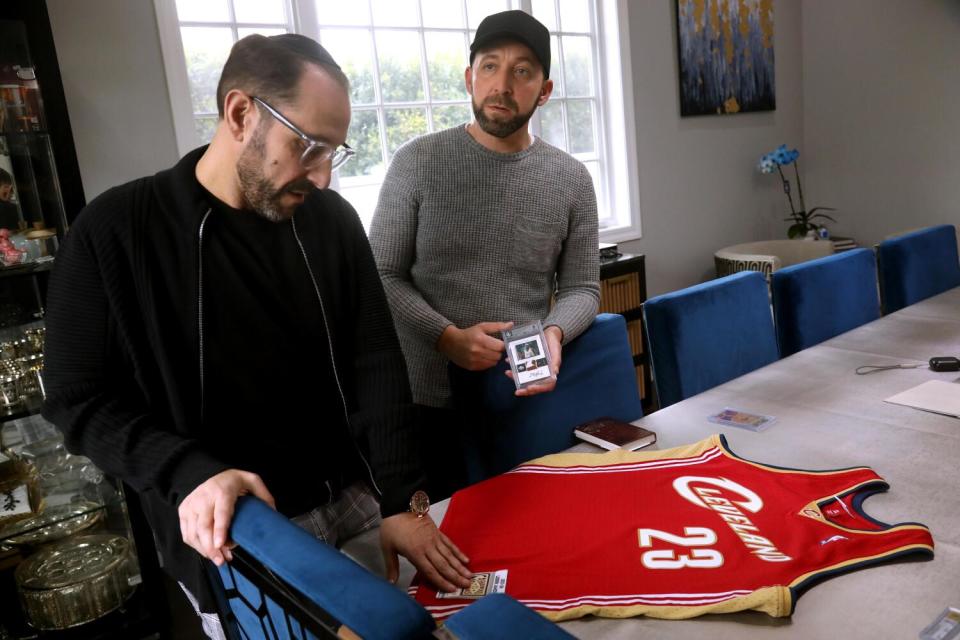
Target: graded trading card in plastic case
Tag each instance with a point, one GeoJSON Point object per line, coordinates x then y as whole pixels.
{"type": "Point", "coordinates": [528, 354]}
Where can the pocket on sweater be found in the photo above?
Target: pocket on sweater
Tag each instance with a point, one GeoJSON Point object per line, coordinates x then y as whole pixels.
{"type": "Point", "coordinates": [535, 245]}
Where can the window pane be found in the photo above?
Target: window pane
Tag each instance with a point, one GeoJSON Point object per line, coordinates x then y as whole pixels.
{"type": "Point", "coordinates": [363, 197]}
{"type": "Point", "coordinates": [551, 124]}
{"type": "Point", "coordinates": [400, 78]}
{"type": "Point", "coordinates": [580, 126]}
{"type": "Point", "coordinates": [404, 125]}
{"type": "Point", "coordinates": [578, 66]}
{"type": "Point", "coordinates": [544, 11]}
{"type": "Point", "coordinates": [364, 137]}
{"type": "Point", "coordinates": [243, 32]}
{"type": "Point", "coordinates": [477, 10]}
{"type": "Point", "coordinates": [269, 11]}
{"type": "Point", "coordinates": [205, 127]}
{"type": "Point", "coordinates": [596, 173]}
{"type": "Point", "coordinates": [442, 13]}
{"type": "Point", "coordinates": [203, 11]}
{"type": "Point", "coordinates": [340, 12]}
{"type": "Point", "coordinates": [205, 50]}
{"type": "Point", "coordinates": [353, 51]}
{"type": "Point", "coordinates": [450, 116]}
{"type": "Point", "coordinates": [395, 13]}
{"type": "Point", "coordinates": [446, 60]}
{"type": "Point", "coordinates": [593, 167]}
{"type": "Point", "coordinates": [556, 67]}
{"type": "Point", "coordinates": [575, 16]}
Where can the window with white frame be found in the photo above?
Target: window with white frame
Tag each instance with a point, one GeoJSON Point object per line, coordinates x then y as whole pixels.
{"type": "Point", "coordinates": [405, 60]}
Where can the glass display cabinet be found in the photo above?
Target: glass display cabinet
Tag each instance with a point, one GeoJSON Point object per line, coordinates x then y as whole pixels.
{"type": "Point", "coordinates": [32, 214]}
{"type": "Point", "coordinates": [65, 539]}
{"type": "Point", "coordinates": [76, 559]}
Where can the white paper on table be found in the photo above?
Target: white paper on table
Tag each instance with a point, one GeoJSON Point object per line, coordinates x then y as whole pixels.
{"type": "Point", "coordinates": [938, 396]}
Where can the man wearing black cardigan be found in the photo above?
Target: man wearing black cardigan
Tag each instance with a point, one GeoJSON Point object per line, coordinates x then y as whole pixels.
{"type": "Point", "coordinates": [219, 329]}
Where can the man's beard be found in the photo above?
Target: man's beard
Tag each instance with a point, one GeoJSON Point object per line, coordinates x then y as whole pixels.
{"type": "Point", "coordinates": [258, 192]}
{"type": "Point", "coordinates": [501, 128]}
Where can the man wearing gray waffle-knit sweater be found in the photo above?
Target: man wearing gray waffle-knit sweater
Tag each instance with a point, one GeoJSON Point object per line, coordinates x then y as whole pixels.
{"type": "Point", "coordinates": [479, 226]}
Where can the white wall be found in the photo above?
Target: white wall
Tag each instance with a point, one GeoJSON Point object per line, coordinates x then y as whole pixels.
{"type": "Point", "coordinates": [881, 120]}
{"type": "Point", "coordinates": [699, 186]}
{"type": "Point", "coordinates": [109, 54]}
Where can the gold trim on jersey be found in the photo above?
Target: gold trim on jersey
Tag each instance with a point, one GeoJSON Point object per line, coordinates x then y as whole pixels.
{"type": "Point", "coordinates": [775, 601]}
{"type": "Point", "coordinates": [626, 457]}
{"type": "Point", "coordinates": [813, 511]}
{"type": "Point", "coordinates": [693, 450]}
{"type": "Point", "coordinates": [917, 546]}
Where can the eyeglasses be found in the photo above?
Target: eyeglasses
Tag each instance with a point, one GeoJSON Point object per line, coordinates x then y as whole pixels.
{"type": "Point", "coordinates": [316, 152]}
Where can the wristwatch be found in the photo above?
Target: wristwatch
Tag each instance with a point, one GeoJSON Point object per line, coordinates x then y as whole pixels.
{"type": "Point", "coordinates": [420, 503]}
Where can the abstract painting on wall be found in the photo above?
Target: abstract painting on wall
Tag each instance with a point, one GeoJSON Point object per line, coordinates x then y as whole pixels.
{"type": "Point", "coordinates": [726, 56]}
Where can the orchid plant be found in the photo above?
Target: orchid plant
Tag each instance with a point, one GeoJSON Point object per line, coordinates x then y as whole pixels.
{"type": "Point", "coordinates": [803, 220]}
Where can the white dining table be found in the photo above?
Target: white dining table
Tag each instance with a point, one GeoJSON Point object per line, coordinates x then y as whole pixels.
{"type": "Point", "coordinates": [828, 417]}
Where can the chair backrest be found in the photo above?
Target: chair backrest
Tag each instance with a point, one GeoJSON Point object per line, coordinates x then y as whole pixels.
{"type": "Point", "coordinates": [817, 300]}
{"type": "Point", "coordinates": [709, 333]}
{"type": "Point", "coordinates": [474, 622]}
{"type": "Point", "coordinates": [917, 265]}
{"type": "Point", "coordinates": [283, 583]}
{"type": "Point", "coordinates": [597, 378]}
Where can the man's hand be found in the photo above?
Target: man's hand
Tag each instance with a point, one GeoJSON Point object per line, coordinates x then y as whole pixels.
{"type": "Point", "coordinates": [429, 550]}
{"type": "Point", "coordinates": [554, 337]}
{"type": "Point", "coordinates": [473, 348]}
{"type": "Point", "coordinates": [206, 513]}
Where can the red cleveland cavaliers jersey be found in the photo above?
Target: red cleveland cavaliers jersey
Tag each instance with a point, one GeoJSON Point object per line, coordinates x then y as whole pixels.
{"type": "Point", "coordinates": [669, 534]}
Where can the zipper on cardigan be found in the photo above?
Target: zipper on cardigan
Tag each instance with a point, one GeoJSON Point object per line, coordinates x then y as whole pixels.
{"type": "Point", "coordinates": [203, 223]}
{"type": "Point", "coordinates": [333, 360]}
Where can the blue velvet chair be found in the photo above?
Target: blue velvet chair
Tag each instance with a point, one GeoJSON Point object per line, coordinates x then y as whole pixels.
{"type": "Point", "coordinates": [285, 584]}
{"type": "Point", "coordinates": [817, 300]}
{"type": "Point", "coordinates": [500, 616]}
{"type": "Point", "coordinates": [917, 265]}
{"type": "Point", "coordinates": [709, 333]}
{"type": "Point", "coordinates": [597, 378]}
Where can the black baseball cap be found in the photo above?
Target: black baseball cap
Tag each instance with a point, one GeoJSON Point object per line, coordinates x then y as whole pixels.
{"type": "Point", "coordinates": [515, 25]}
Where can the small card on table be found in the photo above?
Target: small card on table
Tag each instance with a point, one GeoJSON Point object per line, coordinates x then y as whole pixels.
{"type": "Point", "coordinates": [945, 627]}
{"type": "Point", "coordinates": [736, 418]}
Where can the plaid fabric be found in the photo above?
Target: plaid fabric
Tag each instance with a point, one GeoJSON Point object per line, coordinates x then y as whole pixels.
{"type": "Point", "coordinates": [209, 621]}
{"type": "Point", "coordinates": [355, 511]}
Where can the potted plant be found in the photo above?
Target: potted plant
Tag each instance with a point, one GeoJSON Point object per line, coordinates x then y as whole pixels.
{"type": "Point", "coordinates": [804, 222]}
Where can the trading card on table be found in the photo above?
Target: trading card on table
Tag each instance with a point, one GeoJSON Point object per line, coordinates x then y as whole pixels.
{"type": "Point", "coordinates": [742, 419]}
{"type": "Point", "coordinates": [480, 585]}
{"type": "Point", "coordinates": [528, 354]}
{"type": "Point", "coordinates": [945, 627]}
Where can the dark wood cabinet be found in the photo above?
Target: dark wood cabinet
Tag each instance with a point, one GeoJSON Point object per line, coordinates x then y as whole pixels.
{"type": "Point", "coordinates": [623, 290]}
